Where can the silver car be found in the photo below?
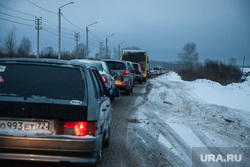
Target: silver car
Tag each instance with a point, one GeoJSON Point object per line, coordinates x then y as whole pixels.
{"type": "Point", "coordinates": [103, 69]}
{"type": "Point", "coordinates": [53, 111]}
{"type": "Point", "coordinates": [125, 79]}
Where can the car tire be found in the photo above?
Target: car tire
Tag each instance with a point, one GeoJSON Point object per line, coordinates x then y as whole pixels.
{"type": "Point", "coordinates": [140, 81]}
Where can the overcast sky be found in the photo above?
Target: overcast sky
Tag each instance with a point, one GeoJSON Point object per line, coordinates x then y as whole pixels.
{"type": "Point", "coordinates": [220, 28]}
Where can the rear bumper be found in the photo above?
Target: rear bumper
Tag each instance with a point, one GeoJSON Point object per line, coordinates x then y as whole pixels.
{"type": "Point", "coordinates": [51, 149]}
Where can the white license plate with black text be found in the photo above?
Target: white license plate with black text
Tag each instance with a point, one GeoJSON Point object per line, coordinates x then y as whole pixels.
{"type": "Point", "coordinates": [23, 125]}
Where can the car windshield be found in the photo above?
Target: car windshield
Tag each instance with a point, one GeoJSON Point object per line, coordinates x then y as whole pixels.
{"type": "Point", "coordinates": [43, 81]}
{"type": "Point", "coordinates": [116, 65]}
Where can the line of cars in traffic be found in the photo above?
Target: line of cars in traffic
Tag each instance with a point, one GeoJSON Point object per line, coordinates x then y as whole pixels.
{"type": "Point", "coordinates": [58, 110]}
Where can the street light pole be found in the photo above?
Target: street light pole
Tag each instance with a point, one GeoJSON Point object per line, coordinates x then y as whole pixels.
{"type": "Point", "coordinates": [59, 29]}
{"type": "Point", "coordinates": [106, 56]}
{"type": "Point", "coordinates": [87, 42]}
{"type": "Point", "coordinates": [119, 49]}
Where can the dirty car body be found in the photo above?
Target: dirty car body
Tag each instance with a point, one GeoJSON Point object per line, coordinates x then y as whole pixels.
{"type": "Point", "coordinates": [52, 110]}
{"type": "Point", "coordinates": [125, 79]}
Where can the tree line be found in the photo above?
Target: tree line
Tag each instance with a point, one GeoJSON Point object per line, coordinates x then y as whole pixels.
{"type": "Point", "coordinates": [9, 49]}
{"type": "Point", "coordinates": [224, 73]}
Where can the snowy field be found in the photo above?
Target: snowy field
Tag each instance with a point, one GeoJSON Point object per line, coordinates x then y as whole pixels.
{"type": "Point", "coordinates": [201, 113]}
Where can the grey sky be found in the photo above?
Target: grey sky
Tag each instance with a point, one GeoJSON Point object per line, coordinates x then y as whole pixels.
{"type": "Point", "coordinates": [220, 28]}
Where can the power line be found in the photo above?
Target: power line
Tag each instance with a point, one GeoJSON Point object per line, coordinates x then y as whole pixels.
{"type": "Point", "coordinates": [95, 36]}
{"type": "Point", "coordinates": [55, 29]}
{"type": "Point", "coordinates": [14, 10]}
{"type": "Point", "coordinates": [56, 34]}
{"type": "Point", "coordinates": [41, 7]}
{"type": "Point", "coordinates": [55, 26]}
{"type": "Point", "coordinates": [72, 23]}
{"type": "Point", "coordinates": [16, 17]}
{"type": "Point", "coordinates": [16, 22]}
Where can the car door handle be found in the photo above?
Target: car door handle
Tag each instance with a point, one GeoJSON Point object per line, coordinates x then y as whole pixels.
{"type": "Point", "coordinates": [104, 109]}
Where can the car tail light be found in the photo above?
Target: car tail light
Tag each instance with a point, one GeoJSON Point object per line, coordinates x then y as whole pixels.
{"type": "Point", "coordinates": [139, 69]}
{"type": "Point", "coordinates": [79, 128]}
{"type": "Point", "coordinates": [125, 73]}
{"type": "Point", "coordinates": [126, 83]}
{"type": "Point", "coordinates": [104, 78]}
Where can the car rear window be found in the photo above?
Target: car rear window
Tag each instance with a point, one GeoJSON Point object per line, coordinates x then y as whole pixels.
{"type": "Point", "coordinates": [40, 80]}
{"type": "Point", "coordinates": [116, 65]}
{"type": "Point", "coordinates": [136, 67]}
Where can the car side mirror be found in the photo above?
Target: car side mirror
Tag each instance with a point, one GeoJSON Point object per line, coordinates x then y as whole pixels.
{"type": "Point", "coordinates": [114, 93]}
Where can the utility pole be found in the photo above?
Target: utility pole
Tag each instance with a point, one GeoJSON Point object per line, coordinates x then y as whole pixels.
{"type": "Point", "coordinates": [59, 29]}
{"type": "Point", "coordinates": [243, 64]}
{"type": "Point", "coordinates": [119, 49]}
{"type": "Point", "coordinates": [106, 55]}
{"type": "Point", "coordinates": [101, 50]}
{"type": "Point", "coordinates": [87, 39]}
{"type": "Point", "coordinates": [38, 27]}
{"type": "Point", "coordinates": [77, 36]}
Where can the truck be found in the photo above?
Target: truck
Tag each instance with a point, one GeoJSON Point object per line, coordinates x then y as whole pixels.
{"type": "Point", "coordinates": [138, 56]}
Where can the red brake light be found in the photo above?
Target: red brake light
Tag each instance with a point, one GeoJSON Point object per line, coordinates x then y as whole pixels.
{"type": "Point", "coordinates": [104, 79]}
{"type": "Point", "coordinates": [125, 73]}
{"type": "Point", "coordinates": [70, 125]}
{"type": "Point", "coordinates": [79, 128]}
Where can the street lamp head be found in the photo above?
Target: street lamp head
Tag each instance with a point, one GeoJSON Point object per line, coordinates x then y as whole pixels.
{"type": "Point", "coordinates": [91, 24]}
{"type": "Point", "coordinates": [109, 36]}
{"type": "Point", "coordinates": [66, 4]}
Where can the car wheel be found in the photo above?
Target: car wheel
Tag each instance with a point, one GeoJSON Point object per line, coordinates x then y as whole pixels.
{"type": "Point", "coordinates": [140, 81]}
{"type": "Point", "coordinates": [106, 142]}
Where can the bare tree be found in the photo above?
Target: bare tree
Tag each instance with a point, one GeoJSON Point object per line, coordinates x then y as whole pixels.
{"type": "Point", "coordinates": [66, 55]}
{"type": "Point", "coordinates": [24, 48]}
{"type": "Point", "coordinates": [232, 61]}
{"type": "Point", "coordinates": [189, 56]}
{"type": "Point", "coordinates": [132, 48]}
{"type": "Point", "coordinates": [10, 42]}
{"type": "Point", "coordinates": [116, 54]}
{"type": "Point", "coordinates": [82, 51]}
{"type": "Point", "coordinates": [48, 52]}
{"type": "Point", "coordinates": [101, 53]}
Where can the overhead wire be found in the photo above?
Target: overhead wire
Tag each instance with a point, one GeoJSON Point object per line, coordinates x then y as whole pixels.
{"type": "Point", "coordinates": [16, 17]}
{"type": "Point", "coordinates": [72, 23]}
{"type": "Point", "coordinates": [14, 10]}
{"type": "Point", "coordinates": [56, 25]}
{"type": "Point", "coordinates": [95, 36]}
{"type": "Point", "coordinates": [48, 24]}
{"type": "Point", "coordinates": [16, 22]}
{"type": "Point", "coordinates": [55, 29]}
{"type": "Point", "coordinates": [57, 34]}
{"type": "Point", "coordinates": [42, 7]}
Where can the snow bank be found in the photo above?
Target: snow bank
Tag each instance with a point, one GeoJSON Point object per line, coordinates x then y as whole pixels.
{"type": "Point", "coordinates": [236, 95]}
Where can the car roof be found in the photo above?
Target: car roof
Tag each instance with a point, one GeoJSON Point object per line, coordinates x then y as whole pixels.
{"type": "Point", "coordinates": [111, 60]}
{"type": "Point", "coordinates": [46, 61]}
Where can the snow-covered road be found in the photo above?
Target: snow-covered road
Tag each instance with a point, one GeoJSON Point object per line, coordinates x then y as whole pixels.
{"type": "Point", "coordinates": [183, 115]}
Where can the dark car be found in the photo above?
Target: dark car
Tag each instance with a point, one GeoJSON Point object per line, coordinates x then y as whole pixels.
{"type": "Point", "coordinates": [52, 110]}
{"type": "Point", "coordinates": [138, 73]}
{"type": "Point", "coordinates": [125, 78]}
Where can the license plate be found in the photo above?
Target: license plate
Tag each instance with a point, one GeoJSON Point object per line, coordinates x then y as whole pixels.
{"type": "Point", "coordinates": [23, 125]}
